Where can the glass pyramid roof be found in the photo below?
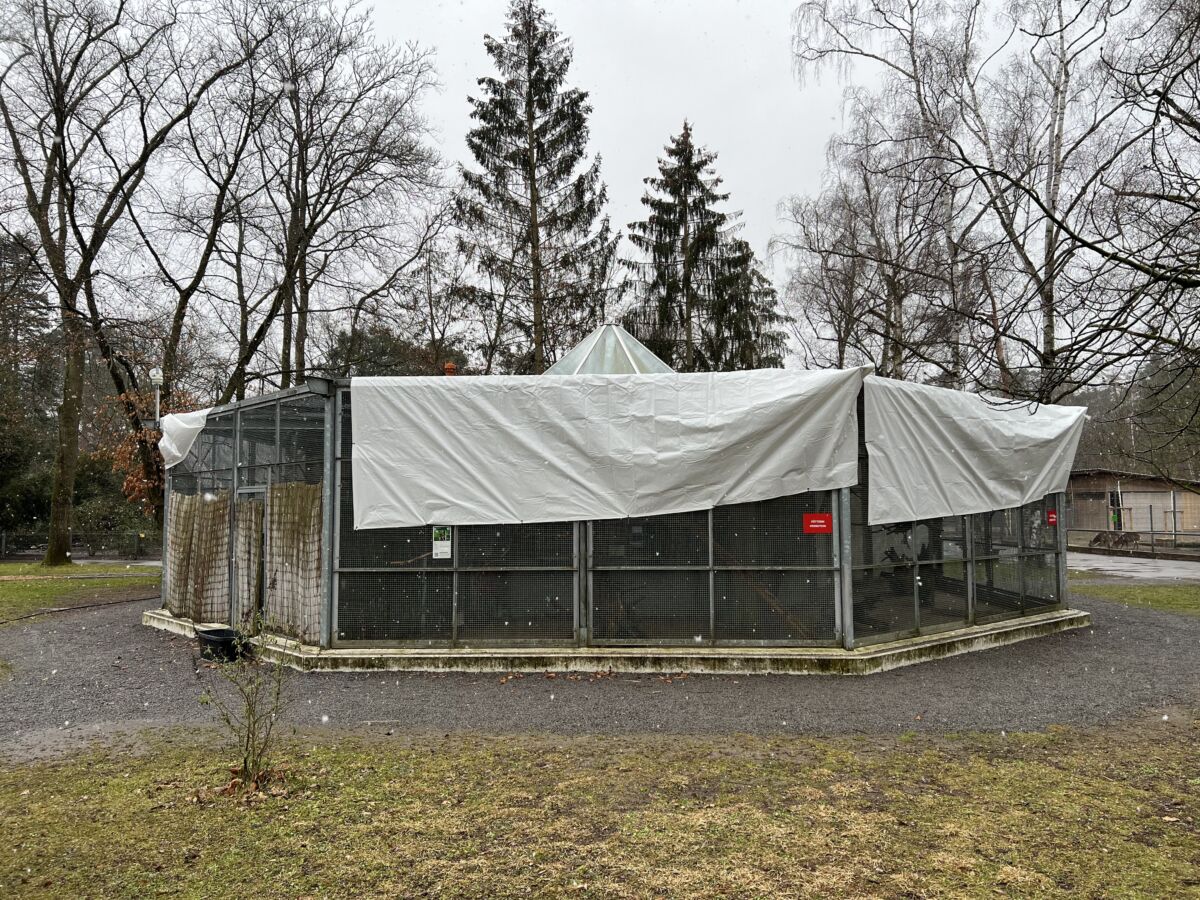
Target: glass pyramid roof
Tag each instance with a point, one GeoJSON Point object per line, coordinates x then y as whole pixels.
{"type": "Point", "coordinates": [609, 350]}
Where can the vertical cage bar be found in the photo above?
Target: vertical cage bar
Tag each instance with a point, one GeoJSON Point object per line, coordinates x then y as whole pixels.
{"type": "Point", "coordinates": [1021, 605]}
{"type": "Point", "coordinates": [969, 566]}
{"type": "Point", "coordinates": [329, 510]}
{"type": "Point", "coordinates": [454, 529]}
{"type": "Point", "coordinates": [712, 587]}
{"type": "Point", "coordinates": [837, 565]}
{"type": "Point", "coordinates": [579, 628]}
{"type": "Point", "coordinates": [231, 524]}
{"type": "Point", "coordinates": [336, 547]}
{"type": "Point", "coordinates": [847, 569]}
{"type": "Point", "coordinates": [916, 581]}
{"type": "Point", "coordinates": [1061, 543]}
{"type": "Point", "coordinates": [591, 588]}
{"type": "Point", "coordinates": [235, 482]}
{"type": "Point", "coordinates": [164, 593]}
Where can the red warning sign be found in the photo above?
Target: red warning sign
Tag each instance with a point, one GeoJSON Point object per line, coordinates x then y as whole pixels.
{"type": "Point", "coordinates": [1052, 517]}
{"type": "Point", "coordinates": [818, 523]}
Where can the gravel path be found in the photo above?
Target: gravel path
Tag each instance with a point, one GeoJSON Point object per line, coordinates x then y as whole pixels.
{"type": "Point", "coordinates": [98, 673]}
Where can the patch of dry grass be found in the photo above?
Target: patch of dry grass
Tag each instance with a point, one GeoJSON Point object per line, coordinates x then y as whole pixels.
{"type": "Point", "coordinates": [24, 597]}
{"type": "Point", "coordinates": [1176, 598]}
{"type": "Point", "coordinates": [1087, 813]}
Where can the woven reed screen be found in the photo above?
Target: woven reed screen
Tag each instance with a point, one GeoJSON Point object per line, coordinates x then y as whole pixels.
{"type": "Point", "coordinates": [198, 543]}
{"type": "Point", "coordinates": [293, 560]}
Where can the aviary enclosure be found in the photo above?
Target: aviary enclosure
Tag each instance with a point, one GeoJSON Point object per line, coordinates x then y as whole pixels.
{"type": "Point", "coordinates": [259, 519]}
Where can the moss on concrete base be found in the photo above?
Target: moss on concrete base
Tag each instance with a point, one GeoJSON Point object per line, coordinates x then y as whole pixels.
{"type": "Point", "coordinates": [650, 660]}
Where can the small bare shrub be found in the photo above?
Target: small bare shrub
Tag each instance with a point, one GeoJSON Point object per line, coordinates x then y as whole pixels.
{"type": "Point", "coordinates": [249, 697]}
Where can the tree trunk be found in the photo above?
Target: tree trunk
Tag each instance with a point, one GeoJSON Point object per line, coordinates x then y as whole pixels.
{"type": "Point", "coordinates": [301, 316]}
{"type": "Point", "coordinates": [66, 456]}
{"type": "Point", "coordinates": [285, 356]}
{"type": "Point", "coordinates": [689, 308]}
{"type": "Point", "coordinates": [535, 234]}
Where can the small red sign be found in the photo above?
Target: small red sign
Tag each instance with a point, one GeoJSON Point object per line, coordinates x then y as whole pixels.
{"type": "Point", "coordinates": [818, 523]}
{"type": "Point", "coordinates": [1052, 517]}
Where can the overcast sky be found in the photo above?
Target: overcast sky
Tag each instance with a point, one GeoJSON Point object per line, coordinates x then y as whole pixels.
{"type": "Point", "coordinates": [724, 64]}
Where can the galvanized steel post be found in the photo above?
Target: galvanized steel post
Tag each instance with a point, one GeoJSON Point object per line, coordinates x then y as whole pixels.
{"type": "Point", "coordinates": [969, 565]}
{"type": "Point", "coordinates": [838, 525]}
{"type": "Point", "coordinates": [847, 569]}
{"type": "Point", "coordinates": [1062, 552]}
{"type": "Point", "coordinates": [712, 590]}
{"type": "Point", "coordinates": [329, 503]}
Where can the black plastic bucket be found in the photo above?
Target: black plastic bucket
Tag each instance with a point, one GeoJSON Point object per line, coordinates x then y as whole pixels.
{"type": "Point", "coordinates": [222, 643]}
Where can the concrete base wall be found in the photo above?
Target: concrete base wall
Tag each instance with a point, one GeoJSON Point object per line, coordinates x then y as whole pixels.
{"type": "Point", "coordinates": [708, 660]}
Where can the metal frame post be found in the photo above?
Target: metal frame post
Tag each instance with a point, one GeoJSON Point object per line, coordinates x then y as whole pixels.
{"type": "Point", "coordinates": [1061, 543]}
{"type": "Point", "coordinates": [336, 547]}
{"type": "Point", "coordinates": [235, 483]}
{"type": "Point", "coordinates": [580, 625]}
{"type": "Point", "coordinates": [591, 588]}
{"type": "Point", "coordinates": [969, 565]}
{"type": "Point", "coordinates": [835, 576]}
{"type": "Point", "coordinates": [328, 513]}
{"type": "Point", "coordinates": [847, 568]}
{"type": "Point", "coordinates": [916, 581]}
{"type": "Point", "coordinates": [165, 581]}
{"type": "Point", "coordinates": [453, 584]}
{"type": "Point", "coordinates": [712, 585]}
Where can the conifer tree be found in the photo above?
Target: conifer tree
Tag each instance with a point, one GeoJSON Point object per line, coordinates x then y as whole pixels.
{"type": "Point", "coordinates": [702, 303]}
{"type": "Point", "coordinates": [532, 215]}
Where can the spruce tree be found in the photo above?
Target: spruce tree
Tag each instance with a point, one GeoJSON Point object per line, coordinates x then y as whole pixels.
{"type": "Point", "coordinates": [531, 215]}
{"type": "Point", "coordinates": [702, 303]}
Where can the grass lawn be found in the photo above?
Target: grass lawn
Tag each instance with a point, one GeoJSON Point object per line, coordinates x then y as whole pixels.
{"type": "Point", "coordinates": [1092, 813]}
{"type": "Point", "coordinates": [37, 570]}
{"type": "Point", "coordinates": [22, 597]}
{"type": "Point", "coordinates": [1176, 598]}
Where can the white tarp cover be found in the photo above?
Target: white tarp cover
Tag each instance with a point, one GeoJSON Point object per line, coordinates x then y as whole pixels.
{"type": "Point", "coordinates": [179, 432]}
{"type": "Point", "coordinates": [507, 449]}
{"type": "Point", "coordinates": [938, 452]}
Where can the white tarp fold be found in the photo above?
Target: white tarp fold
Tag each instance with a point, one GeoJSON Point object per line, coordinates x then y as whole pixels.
{"type": "Point", "coordinates": [507, 449]}
{"type": "Point", "coordinates": [938, 452]}
{"type": "Point", "coordinates": [179, 432]}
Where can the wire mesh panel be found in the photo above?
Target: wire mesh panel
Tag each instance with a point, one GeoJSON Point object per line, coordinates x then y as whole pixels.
{"type": "Point", "coordinates": [883, 602]}
{"type": "Point", "coordinates": [1039, 555]}
{"type": "Point", "coordinates": [214, 444]}
{"type": "Point", "coordinates": [395, 606]}
{"type": "Point", "coordinates": [774, 606]}
{"type": "Point", "coordinates": [997, 565]}
{"type": "Point", "coordinates": [650, 579]}
{"type": "Point", "coordinates": [884, 582]}
{"type": "Point", "coordinates": [256, 443]}
{"type": "Point", "coordinates": [997, 533]}
{"type": "Point", "coordinates": [536, 545]}
{"type": "Point", "coordinates": [301, 439]}
{"type": "Point", "coordinates": [505, 592]}
{"type": "Point", "coordinates": [997, 589]}
{"type": "Point", "coordinates": [647, 605]}
{"type": "Point", "coordinates": [753, 600]}
{"type": "Point", "coordinates": [942, 592]}
{"type": "Point", "coordinates": [386, 548]}
{"type": "Point", "coordinates": [516, 606]}
{"type": "Point", "coordinates": [345, 428]}
{"type": "Point", "coordinates": [774, 533]}
{"type": "Point", "coordinates": [651, 541]}
{"type": "Point", "coordinates": [1037, 531]}
{"type": "Point", "coordinates": [1039, 581]}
